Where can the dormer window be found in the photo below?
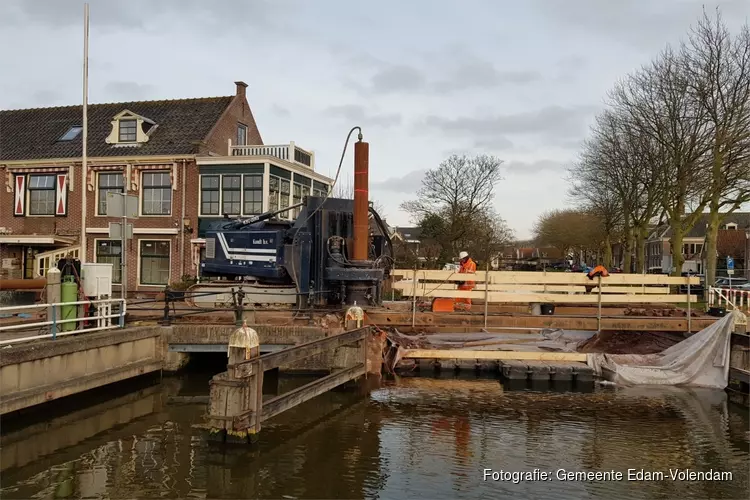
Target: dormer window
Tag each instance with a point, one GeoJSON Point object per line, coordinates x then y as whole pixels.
{"type": "Point", "coordinates": [731, 226]}
{"type": "Point", "coordinates": [130, 129]}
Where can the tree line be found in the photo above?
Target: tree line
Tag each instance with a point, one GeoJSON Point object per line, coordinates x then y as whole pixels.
{"type": "Point", "coordinates": [454, 211]}
{"type": "Point", "coordinates": [672, 144]}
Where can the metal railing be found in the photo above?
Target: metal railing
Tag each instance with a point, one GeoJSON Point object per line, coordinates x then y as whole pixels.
{"type": "Point", "coordinates": [737, 298]}
{"type": "Point", "coordinates": [105, 311]}
{"type": "Point", "coordinates": [287, 152]}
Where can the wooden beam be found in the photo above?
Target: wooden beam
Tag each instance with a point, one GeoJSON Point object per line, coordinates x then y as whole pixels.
{"type": "Point", "coordinates": [629, 290]}
{"type": "Point", "coordinates": [516, 355]}
{"type": "Point", "coordinates": [588, 323]}
{"type": "Point", "coordinates": [302, 351]}
{"type": "Point", "coordinates": [553, 298]}
{"type": "Point", "coordinates": [531, 278]}
{"type": "Point", "coordinates": [281, 403]}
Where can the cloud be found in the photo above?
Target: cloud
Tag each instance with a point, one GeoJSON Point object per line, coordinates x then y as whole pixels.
{"type": "Point", "coordinates": [397, 78]}
{"type": "Point", "coordinates": [642, 24]}
{"type": "Point", "coordinates": [358, 114]}
{"type": "Point", "coordinates": [280, 111]}
{"type": "Point", "coordinates": [481, 74]}
{"type": "Point", "coordinates": [141, 15]}
{"type": "Point", "coordinates": [409, 183]}
{"type": "Point", "coordinates": [550, 121]}
{"type": "Point", "coordinates": [533, 167]}
{"type": "Point", "coordinates": [129, 91]}
{"type": "Point", "coordinates": [43, 98]}
{"type": "Point", "coordinates": [494, 143]}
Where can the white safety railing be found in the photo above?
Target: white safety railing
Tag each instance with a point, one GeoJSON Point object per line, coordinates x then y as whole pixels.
{"type": "Point", "coordinates": [45, 260]}
{"type": "Point", "coordinates": [288, 152]}
{"type": "Point", "coordinates": [737, 298]}
{"type": "Point", "coordinates": [106, 310]}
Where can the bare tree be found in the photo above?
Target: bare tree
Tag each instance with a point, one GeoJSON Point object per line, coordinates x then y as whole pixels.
{"type": "Point", "coordinates": [658, 103]}
{"type": "Point", "coordinates": [718, 74]}
{"type": "Point", "coordinates": [460, 192]}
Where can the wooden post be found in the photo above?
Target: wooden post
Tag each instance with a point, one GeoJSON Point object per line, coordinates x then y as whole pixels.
{"type": "Point", "coordinates": [690, 330]}
{"type": "Point", "coordinates": [234, 394]}
{"type": "Point", "coordinates": [486, 288]}
{"type": "Point", "coordinates": [414, 292]}
{"type": "Point", "coordinates": [599, 306]}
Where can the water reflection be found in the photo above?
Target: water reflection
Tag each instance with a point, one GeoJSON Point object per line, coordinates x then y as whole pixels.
{"type": "Point", "coordinates": [412, 437]}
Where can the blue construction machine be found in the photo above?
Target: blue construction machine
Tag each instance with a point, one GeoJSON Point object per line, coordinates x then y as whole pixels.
{"type": "Point", "coordinates": [336, 252]}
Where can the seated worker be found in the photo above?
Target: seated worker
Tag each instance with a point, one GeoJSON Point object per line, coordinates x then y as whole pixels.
{"type": "Point", "coordinates": [467, 266]}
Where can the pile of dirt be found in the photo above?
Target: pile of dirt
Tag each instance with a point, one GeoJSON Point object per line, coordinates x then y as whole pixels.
{"type": "Point", "coordinates": [630, 342]}
{"type": "Point", "coordinates": [659, 312]}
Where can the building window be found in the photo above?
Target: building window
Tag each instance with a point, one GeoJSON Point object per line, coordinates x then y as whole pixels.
{"type": "Point", "coordinates": [210, 194]}
{"type": "Point", "coordinates": [231, 194]}
{"type": "Point", "coordinates": [284, 196]}
{"type": "Point", "coordinates": [110, 252]}
{"type": "Point", "coordinates": [128, 130]}
{"type": "Point", "coordinates": [157, 193]}
{"type": "Point", "coordinates": [253, 194]}
{"type": "Point", "coordinates": [154, 262]}
{"type": "Point", "coordinates": [731, 226]}
{"type": "Point", "coordinates": [319, 189]}
{"type": "Point", "coordinates": [42, 195]}
{"type": "Point", "coordinates": [273, 193]}
{"type": "Point", "coordinates": [241, 135]}
{"type": "Point", "coordinates": [71, 134]}
{"type": "Point", "coordinates": [109, 183]}
{"type": "Point", "coordinates": [299, 191]}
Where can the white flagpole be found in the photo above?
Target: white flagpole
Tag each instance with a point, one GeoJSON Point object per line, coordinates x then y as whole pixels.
{"type": "Point", "coordinates": [85, 131]}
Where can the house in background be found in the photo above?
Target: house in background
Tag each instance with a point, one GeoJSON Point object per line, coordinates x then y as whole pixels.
{"type": "Point", "coordinates": [147, 148]}
{"type": "Point", "coordinates": [731, 243]}
{"type": "Point", "coordinates": [658, 250]}
{"type": "Point", "coordinates": [253, 179]}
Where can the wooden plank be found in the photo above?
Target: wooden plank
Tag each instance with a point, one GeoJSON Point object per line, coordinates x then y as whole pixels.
{"type": "Point", "coordinates": [288, 400]}
{"type": "Point", "coordinates": [553, 298]}
{"type": "Point", "coordinates": [529, 277]}
{"type": "Point", "coordinates": [629, 290]}
{"type": "Point", "coordinates": [493, 355]}
{"type": "Point", "coordinates": [408, 285]}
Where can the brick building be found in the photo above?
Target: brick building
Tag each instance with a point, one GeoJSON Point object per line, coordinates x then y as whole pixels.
{"type": "Point", "coordinates": [148, 149]}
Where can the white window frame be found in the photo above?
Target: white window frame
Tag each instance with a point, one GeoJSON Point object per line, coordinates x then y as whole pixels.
{"type": "Point", "coordinates": [142, 192]}
{"type": "Point", "coordinates": [27, 194]}
{"type": "Point", "coordinates": [237, 135]}
{"type": "Point", "coordinates": [96, 246]}
{"type": "Point", "coordinates": [96, 196]}
{"type": "Point", "coordinates": [138, 262]}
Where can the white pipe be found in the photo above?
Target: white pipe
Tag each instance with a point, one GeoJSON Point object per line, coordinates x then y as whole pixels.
{"type": "Point", "coordinates": [40, 306]}
{"type": "Point", "coordinates": [85, 131]}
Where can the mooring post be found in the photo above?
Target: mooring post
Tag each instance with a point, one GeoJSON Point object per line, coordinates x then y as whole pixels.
{"type": "Point", "coordinates": [599, 307]}
{"type": "Point", "coordinates": [234, 409]}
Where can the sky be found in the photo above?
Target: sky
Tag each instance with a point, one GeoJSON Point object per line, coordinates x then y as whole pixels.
{"type": "Point", "coordinates": [521, 80]}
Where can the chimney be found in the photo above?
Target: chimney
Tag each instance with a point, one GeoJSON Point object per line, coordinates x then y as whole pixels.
{"type": "Point", "coordinates": [241, 86]}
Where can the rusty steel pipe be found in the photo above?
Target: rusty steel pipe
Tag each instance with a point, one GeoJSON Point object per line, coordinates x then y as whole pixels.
{"type": "Point", "coordinates": [21, 284]}
{"type": "Point", "coordinates": [361, 200]}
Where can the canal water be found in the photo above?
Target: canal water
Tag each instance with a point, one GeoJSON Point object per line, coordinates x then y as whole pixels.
{"type": "Point", "coordinates": [414, 437]}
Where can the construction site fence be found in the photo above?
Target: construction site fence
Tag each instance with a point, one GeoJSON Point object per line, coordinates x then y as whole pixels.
{"type": "Point", "coordinates": [732, 298]}
{"type": "Point", "coordinates": [544, 287]}
{"type": "Point", "coordinates": [90, 316]}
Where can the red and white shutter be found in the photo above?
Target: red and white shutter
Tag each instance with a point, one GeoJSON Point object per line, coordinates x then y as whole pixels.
{"type": "Point", "coordinates": [20, 194]}
{"type": "Point", "coordinates": [62, 194]}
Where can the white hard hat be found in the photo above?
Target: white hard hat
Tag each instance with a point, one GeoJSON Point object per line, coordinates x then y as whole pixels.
{"type": "Point", "coordinates": [463, 255]}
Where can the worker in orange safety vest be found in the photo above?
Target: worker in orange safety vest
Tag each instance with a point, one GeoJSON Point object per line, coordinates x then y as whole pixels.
{"type": "Point", "coordinates": [467, 266]}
